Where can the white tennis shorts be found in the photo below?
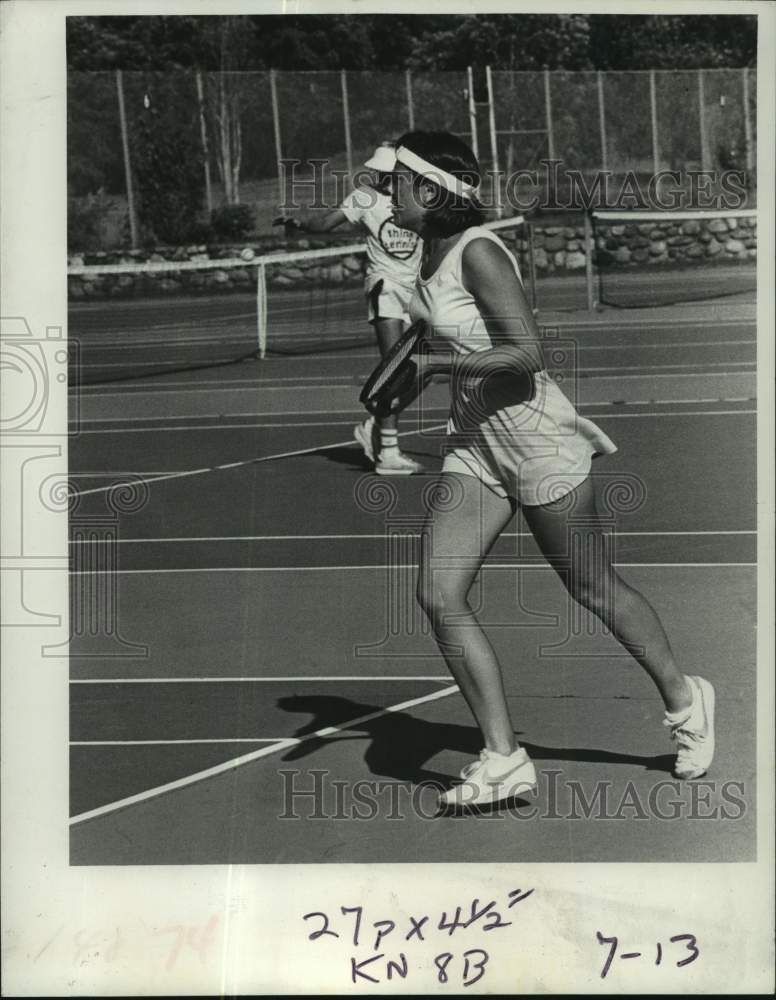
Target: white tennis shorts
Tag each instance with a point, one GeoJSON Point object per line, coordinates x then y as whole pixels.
{"type": "Point", "coordinates": [392, 303]}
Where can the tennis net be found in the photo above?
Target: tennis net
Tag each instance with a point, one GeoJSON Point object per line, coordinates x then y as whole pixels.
{"type": "Point", "coordinates": [647, 259]}
{"type": "Point", "coordinates": [133, 321]}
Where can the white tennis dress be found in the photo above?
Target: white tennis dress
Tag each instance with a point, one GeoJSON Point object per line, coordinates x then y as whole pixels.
{"type": "Point", "coordinates": [393, 254]}
{"type": "Point", "coordinates": [536, 451]}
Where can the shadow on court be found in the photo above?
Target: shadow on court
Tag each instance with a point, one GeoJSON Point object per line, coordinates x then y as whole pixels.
{"type": "Point", "coordinates": [354, 459]}
{"type": "Point", "coordinates": [400, 745]}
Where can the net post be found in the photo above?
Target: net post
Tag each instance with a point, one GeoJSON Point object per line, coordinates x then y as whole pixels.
{"type": "Point", "coordinates": [276, 128]}
{"type": "Point", "coordinates": [589, 251]}
{"type": "Point", "coordinates": [346, 121]}
{"type": "Point", "coordinates": [548, 115]}
{"type": "Point", "coordinates": [601, 116]}
{"type": "Point", "coordinates": [705, 157]}
{"type": "Point", "coordinates": [653, 116]}
{"type": "Point", "coordinates": [496, 184]}
{"type": "Point", "coordinates": [410, 106]}
{"type": "Point", "coordinates": [261, 309]}
{"type": "Point", "coordinates": [747, 122]}
{"type": "Point", "coordinates": [472, 112]}
{"type": "Point", "coordinates": [127, 161]}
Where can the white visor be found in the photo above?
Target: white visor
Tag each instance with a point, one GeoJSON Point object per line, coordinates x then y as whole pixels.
{"type": "Point", "coordinates": [383, 159]}
{"type": "Point", "coordinates": [435, 174]}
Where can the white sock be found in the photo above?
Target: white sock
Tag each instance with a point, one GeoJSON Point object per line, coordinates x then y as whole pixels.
{"type": "Point", "coordinates": [389, 441]}
{"type": "Point", "coordinates": [684, 714]}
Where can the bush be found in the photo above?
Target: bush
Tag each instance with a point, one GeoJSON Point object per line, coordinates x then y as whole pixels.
{"type": "Point", "coordinates": [167, 160]}
{"type": "Point", "coordinates": [86, 219]}
{"type": "Point", "coordinates": [232, 222]}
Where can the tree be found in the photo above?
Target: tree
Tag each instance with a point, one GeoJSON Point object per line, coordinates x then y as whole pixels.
{"type": "Point", "coordinates": [167, 164]}
{"type": "Point", "coordinates": [225, 93]}
{"type": "Point", "coordinates": [673, 42]}
{"type": "Point", "coordinates": [506, 41]}
{"type": "Point", "coordinates": [423, 41]}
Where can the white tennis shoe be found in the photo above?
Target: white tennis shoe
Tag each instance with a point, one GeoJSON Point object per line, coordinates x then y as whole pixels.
{"type": "Point", "coordinates": [365, 435]}
{"type": "Point", "coordinates": [492, 779]}
{"type": "Point", "coordinates": [694, 735]}
{"type": "Point", "coordinates": [395, 463]}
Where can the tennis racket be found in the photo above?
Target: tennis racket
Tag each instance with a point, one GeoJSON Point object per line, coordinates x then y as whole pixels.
{"type": "Point", "coordinates": [395, 372]}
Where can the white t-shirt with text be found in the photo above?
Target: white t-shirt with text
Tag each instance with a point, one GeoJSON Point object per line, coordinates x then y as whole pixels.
{"type": "Point", "coordinates": [392, 253]}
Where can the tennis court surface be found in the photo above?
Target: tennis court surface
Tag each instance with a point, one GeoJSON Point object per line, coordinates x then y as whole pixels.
{"type": "Point", "coordinates": [246, 630]}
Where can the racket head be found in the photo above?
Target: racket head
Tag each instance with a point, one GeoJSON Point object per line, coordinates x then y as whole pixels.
{"type": "Point", "coordinates": [387, 370]}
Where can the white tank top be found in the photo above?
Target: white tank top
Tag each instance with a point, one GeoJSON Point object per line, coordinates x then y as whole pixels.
{"type": "Point", "coordinates": [525, 446]}
{"type": "Point", "coordinates": [445, 304]}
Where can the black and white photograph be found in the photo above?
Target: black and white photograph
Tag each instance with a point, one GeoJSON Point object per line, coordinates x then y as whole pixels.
{"type": "Point", "coordinates": [386, 407]}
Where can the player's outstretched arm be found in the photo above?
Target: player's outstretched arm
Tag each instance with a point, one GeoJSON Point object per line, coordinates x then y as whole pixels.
{"type": "Point", "coordinates": [313, 224]}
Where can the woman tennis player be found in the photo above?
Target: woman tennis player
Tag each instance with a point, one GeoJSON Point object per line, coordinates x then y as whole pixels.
{"type": "Point", "coordinates": [393, 259]}
{"type": "Point", "coordinates": [514, 440]}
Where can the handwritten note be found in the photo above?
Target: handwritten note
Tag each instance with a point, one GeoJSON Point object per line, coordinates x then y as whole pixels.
{"type": "Point", "coordinates": [391, 946]}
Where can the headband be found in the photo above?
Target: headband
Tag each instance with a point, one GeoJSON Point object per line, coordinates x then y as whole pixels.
{"type": "Point", "coordinates": [439, 176]}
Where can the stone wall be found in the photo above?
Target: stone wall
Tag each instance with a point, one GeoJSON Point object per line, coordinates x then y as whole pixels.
{"type": "Point", "coordinates": [237, 273]}
{"type": "Point", "coordinates": [557, 249]}
{"type": "Point", "coordinates": [562, 248]}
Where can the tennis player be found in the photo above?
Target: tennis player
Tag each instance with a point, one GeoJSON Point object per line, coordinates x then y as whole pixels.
{"type": "Point", "coordinates": [393, 258]}
{"type": "Point", "coordinates": [513, 440]}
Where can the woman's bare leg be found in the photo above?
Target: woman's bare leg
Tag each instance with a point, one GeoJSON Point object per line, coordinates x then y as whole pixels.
{"type": "Point", "coordinates": [455, 541]}
{"type": "Point", "coordinates": [596, 585]}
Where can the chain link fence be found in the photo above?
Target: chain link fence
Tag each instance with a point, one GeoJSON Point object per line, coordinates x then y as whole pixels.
{"type": "Point", "coordinates": [247, 123]}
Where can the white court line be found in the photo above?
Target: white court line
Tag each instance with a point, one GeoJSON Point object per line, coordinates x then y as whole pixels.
{"type": "Point", "coordinates": [381, 566]}
{"type": "Point", "coordinates": [650, 368]}
{"type": "Point", "coordinates": [347, 379]}
{"type": "Point", "coordinates": [427, 409]}
{"type": "Point", "coordinates": [437, 678]}
{"type": "Point", "coordinates": [157, 429]}
{"type": "Point", "coordinates": [251, 413]}
{"type": "Point", "coordinates": [350, 537]}
{"type": "Point", "coordinates": [655, 324]}
{"type": "Point", "coordinates": [678, 413]}
{"type": "Point", "coordinates": [347, 382]}
{"type": "Point", "coordinates": [564, 325]}
{"type": "Point", "coordinates": [164, 743]}
{"type": "Point", "coordinates": [236, 465]}
{"type": "Point", "coordinates": [215, 427]}
{"type": "Point", "coordinates": [236, 762]}
{"type": "Point", "coordinates": [188, 388]}
{"type": "Point", "coordinates": [581, 373]}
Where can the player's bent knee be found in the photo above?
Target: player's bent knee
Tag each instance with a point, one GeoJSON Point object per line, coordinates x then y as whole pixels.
{"type": "Point", "coordinates": [439, 602]}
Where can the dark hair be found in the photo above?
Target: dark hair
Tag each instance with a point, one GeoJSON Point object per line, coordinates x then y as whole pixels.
{"type": "Point", "coordinates": [449, 214]}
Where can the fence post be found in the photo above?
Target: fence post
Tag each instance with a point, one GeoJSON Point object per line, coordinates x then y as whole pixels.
{"type": "Point", "coordinates": [346, 120]}
{"type": "Point", "coordinates": [205, 150]}
{"type": "Point", "coordinates": [127, 162]}
{"type": "Point", "coordinates": [532, 269]}
{"type": "Point", "coordinates": [276, 128]}
{"type": "Point", "coordinates": [747, 122]}
{"type": "Point", "coordinates": [705, 156]}
{"type": "Point", "coordinates": [493, 143]}
{"type": "Point", "coordinates": [548, 114]}
{"type": "Point", "coordinates": [602, 117]}
{"type": "Point", "coordinates": [410, 108]}
{"type": "Point", "coordinates": [472, 112]}
{"type": "Point", "coordinates": [653, 115]}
